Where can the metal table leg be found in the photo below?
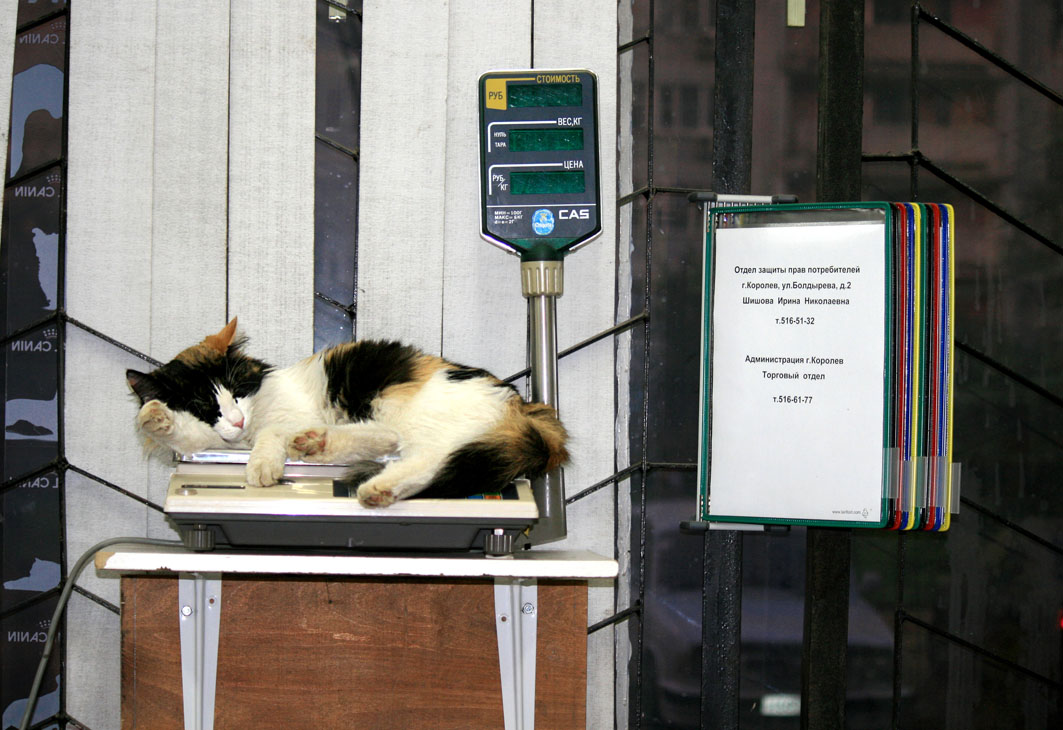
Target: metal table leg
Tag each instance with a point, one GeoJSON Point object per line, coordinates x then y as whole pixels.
{"type": "Point", "coordinates": [199, 605]}
{"type": "Point", "coordinates": [516, 622]}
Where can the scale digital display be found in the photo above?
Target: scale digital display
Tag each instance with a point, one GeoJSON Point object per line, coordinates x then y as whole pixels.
{"type": "Point", "coordinates": [562, 94]}
{"type": "Point", "coordinates": [538, 140]}
{"type": "Point", "coordinates": [540, 189]}
{"type": "Point", "coordinates": [547, 183]}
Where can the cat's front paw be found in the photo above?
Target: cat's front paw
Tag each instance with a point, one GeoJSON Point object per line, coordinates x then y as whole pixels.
{"type": "Point", "coordinates": [372, 495]}
{"type": "Point", "coordinates": [155, 419]}
{"type": "Point", "coordinates": [308, 443]}
{"type": "Point", "coordinates": [264, 470]}
{"type": "Point", "coordinates": [385, 445]}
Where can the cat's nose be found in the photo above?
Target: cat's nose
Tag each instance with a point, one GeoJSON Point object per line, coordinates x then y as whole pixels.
{"type": "Point", "coordinates": [239, 424]}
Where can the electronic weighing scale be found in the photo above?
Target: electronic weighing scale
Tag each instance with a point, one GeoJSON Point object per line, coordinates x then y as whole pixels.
{"type": "Point", "coordinates": [312, 508]}
{"type": "Point", "coordinates": [540, 196]}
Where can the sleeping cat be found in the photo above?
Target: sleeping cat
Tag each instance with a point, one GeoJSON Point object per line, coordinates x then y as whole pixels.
{"type": "Point", "coordinates": [408, 422]}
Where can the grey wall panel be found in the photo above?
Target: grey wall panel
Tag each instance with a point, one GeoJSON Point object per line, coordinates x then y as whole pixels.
{"type": "Point", "coordinates": [484, 312]}
{"type": "Point", "coordinates": [189, 214]}
{"type": "Point", "coordinates": [110, 149]}
{"type": "Point", "coordinates": [271, 176]}
{"type": "Point", "coordinates": [94, 667]}
{"type": "Point", "coordinates": [402, 207]}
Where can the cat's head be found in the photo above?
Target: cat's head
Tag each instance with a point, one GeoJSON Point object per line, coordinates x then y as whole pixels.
{"type": "Point", "coordinates": [205, 395]}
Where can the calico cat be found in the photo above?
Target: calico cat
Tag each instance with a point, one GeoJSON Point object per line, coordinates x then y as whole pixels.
{"type": "Point", "coordinates": [408, 422]}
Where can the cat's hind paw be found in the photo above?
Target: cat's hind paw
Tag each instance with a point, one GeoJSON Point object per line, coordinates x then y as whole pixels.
{"type": "Point", "coordinates": [372, 495]}
{"type": "Point", "coordinates": [155, 419]}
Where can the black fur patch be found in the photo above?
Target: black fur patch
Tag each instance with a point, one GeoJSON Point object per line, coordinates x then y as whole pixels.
{"type": "Point", "coordinates": [358, 372]}
{"type": "Point", "coordinates": [460, 372]}
{"type": "Point", "coordinates": [472, 469]}
{"type": "Point", "coordinates": [485, 467]}
{"type": "Point", "coordinates": [189, 385]}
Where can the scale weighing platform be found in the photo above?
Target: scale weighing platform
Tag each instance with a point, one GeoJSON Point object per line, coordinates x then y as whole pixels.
{"type": "Point", "coordinates": [311, 508]}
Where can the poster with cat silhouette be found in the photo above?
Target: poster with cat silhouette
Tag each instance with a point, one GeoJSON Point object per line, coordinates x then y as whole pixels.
{"type": "Point", "coordinates": [29, 257]}
{"type": "Point", "coordinates": [30, 250]}
{"type": "Point", "coordinates": [29, 279]}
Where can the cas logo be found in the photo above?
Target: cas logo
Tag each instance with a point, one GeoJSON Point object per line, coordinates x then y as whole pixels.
{"type": "Point", "coordinates": [583, 214]}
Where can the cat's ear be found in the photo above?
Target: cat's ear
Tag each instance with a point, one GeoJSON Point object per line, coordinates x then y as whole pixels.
{"type": "Point", "coordinates": [143, 385]}
{"type": "Point", "coordinates": [221, 341]}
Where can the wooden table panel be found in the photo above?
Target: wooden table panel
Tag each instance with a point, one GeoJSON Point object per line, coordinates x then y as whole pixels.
{"type": "Point", "coordinates": [379, 653]}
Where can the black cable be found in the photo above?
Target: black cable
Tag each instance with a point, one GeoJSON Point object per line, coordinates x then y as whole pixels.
{"type": "Point", "coordinates": [64, 597]}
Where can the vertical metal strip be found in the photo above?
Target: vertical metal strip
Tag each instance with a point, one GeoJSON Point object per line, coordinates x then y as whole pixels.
{"type": "Point", "coordinates": [199, 611]}
{"type": "Point", "coordinates": [61, 331]}
{"type": "Point", "coordinates": [913, 162]}
{"type": "Point", "coordinates": [838, 173]}
{"type": "Point", "coordinates": [732, 124]}
{"type": "Point", "coordinates": [516, 627]}
{"type": "Point", "coordinates": [721, 629]}
{"type": "Point", "coordinates": [898, 628]}
{"type": "Point", "coordinates": [636, 705]}
{"type": "Point", "coordinates": [913, 192]}
{"type": "Point", "coordinates": [721, 614]}
{"type": "Point", "coordinates": [61, 328]}
{"type": "Point", "coordinates": [823, 661]}
{"type": "Point", "coordinates": [841, 89]}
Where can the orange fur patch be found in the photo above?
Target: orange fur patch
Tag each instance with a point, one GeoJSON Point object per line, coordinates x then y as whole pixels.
{"type": "Point", "coordinates": [424, 368]}
{"type": "Point", "coordinates": [221, 341]}
{"type": "Point", "coordinates": [197, 354]}
{"type": "Point", "coordinates": [540, 417]}
{"type": "Point", "coordinates": [211, 347]}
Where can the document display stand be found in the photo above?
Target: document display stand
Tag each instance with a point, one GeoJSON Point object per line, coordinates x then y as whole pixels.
{"type": "Point", "coordinates": [827, 366]}
{"type": "Point", "coordinates": [235, 639]}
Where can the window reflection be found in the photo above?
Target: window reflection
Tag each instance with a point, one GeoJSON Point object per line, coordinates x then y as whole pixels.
{"type": "Point", "coordinates": [339, 63]}
{"type": "Point", "coordinates": [970, 618]}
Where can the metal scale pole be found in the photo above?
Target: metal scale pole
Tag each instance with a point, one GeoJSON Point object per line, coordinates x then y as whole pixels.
{"type": "Point", "coordinates": [542, 282]}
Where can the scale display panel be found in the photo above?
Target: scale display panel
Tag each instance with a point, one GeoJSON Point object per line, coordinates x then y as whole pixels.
{"type": "Point", "coordinates": [540, 187]}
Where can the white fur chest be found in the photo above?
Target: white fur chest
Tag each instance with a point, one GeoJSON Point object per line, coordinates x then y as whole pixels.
{"type": "Point", "coordinates": [294, 397]}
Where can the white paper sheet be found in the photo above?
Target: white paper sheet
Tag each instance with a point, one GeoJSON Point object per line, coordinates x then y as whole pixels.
{"type": "Point", "coordinates": [797, 367]}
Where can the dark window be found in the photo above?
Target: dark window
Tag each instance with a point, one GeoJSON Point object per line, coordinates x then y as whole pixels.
{"type": "Point", "coordinates": [688, 106]}
{"type": "Point", "coordinates": [666, 110]}
{"type": "Point", "coordinates": [339, 63]}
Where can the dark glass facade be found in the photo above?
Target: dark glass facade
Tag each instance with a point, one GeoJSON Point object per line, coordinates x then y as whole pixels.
{"type": "Point", "coordinates": [961, 629]}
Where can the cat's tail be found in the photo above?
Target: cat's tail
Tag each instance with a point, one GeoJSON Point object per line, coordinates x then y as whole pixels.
{"type": "Point", "coordinates": [528, 442]}
{"type": "Point", "coordinates": [542, 424]}
{"type": "Point", "coordinates": [358, 472]}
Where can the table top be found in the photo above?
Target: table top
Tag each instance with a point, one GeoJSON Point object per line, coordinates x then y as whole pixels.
{"type": "Point", "coordinates": [561, 564]}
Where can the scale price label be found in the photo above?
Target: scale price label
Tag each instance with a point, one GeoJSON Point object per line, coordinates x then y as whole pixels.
{"type": "Point", "coordinates": [540, 189]}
